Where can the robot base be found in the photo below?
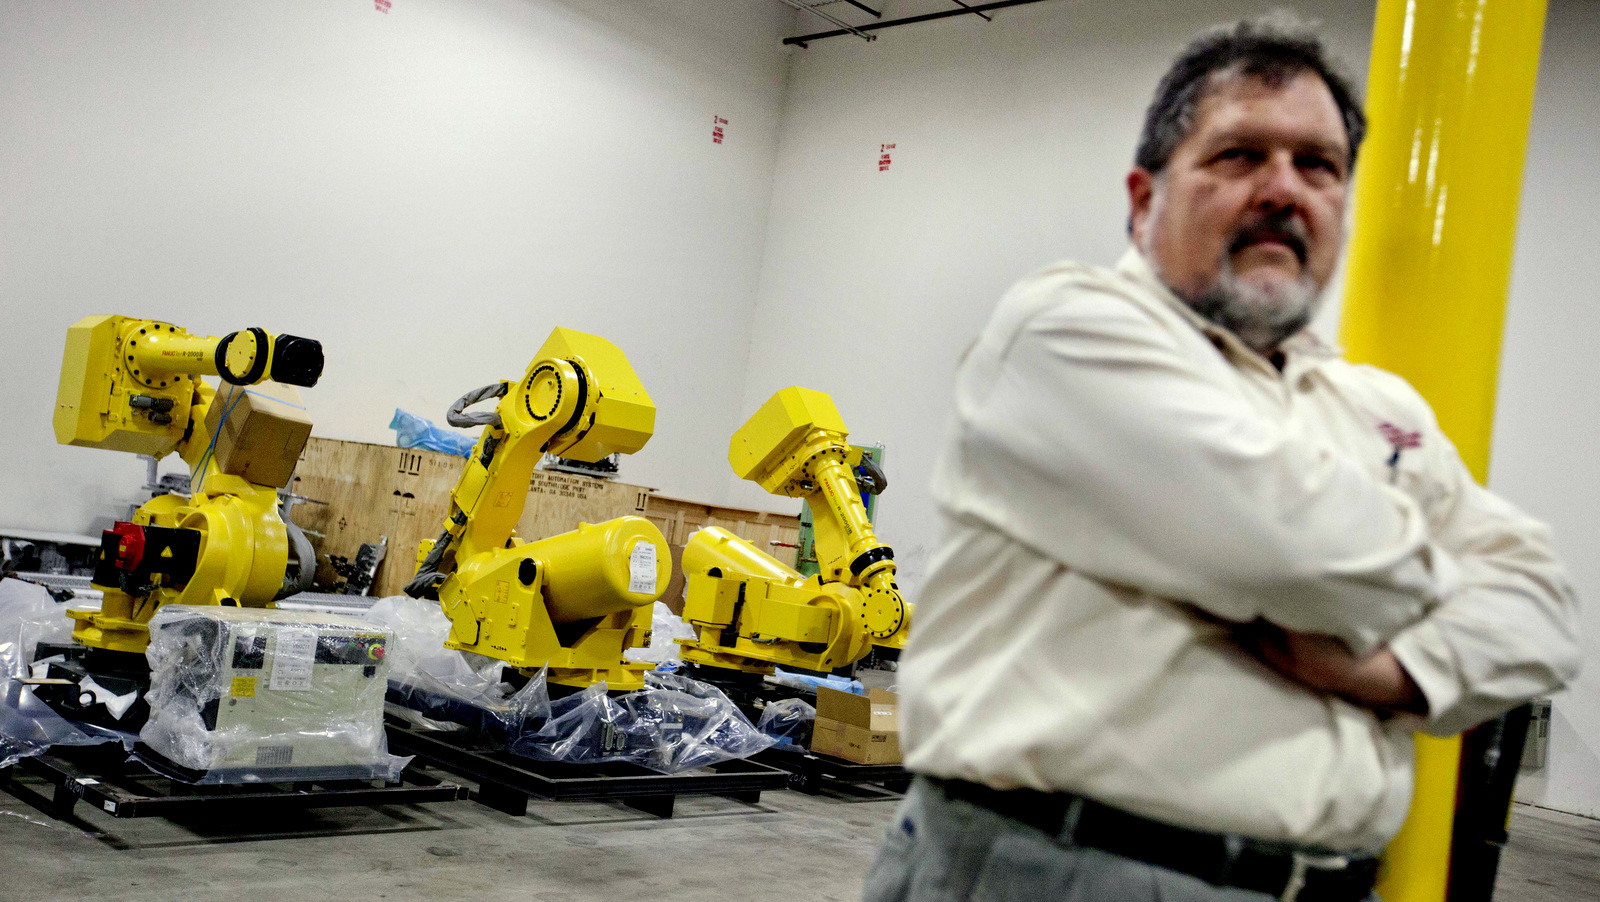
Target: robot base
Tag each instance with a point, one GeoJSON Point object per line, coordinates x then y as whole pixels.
{"type": "Point", "coordinates": [116, 673]}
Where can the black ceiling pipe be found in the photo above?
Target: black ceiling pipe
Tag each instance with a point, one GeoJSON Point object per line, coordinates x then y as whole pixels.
{"type": "Point", "coordinates": [803, 39]}
{"type": "Point", "coordinates": [968, 6]}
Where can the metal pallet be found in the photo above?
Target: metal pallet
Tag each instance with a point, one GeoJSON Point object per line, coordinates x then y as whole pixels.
{"type": "Point", "coordinates": [813, 774]}
{"type": "Point", "coordinates": [107, 779]}
{"type": "Point", "coordinates": [506, 781]}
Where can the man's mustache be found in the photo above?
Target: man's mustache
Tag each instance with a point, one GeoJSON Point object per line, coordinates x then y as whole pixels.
{"type": "Point", "coordinates": [1287, 230]}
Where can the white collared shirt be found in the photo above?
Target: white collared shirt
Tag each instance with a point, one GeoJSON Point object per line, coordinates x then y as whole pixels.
{"type": "Point", "coordinates": [1120, 479]}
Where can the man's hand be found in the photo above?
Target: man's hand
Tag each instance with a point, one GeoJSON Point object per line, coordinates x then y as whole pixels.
{"type": "Point", "coordinates": [1326, 664]}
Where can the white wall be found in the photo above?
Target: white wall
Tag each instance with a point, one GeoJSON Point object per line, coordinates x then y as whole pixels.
{"type": "Point", "coordinates": [1011, 142]}
{"type": "Point", "coordinates": [427, 192]}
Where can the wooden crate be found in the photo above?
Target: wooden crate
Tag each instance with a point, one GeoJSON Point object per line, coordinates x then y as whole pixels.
{"type": "Point", "coordinates": [558, 502]}
{"type": "Point", "coordinates": [367, 491]}
{"type": "Point", "coordinates": [776, 534]}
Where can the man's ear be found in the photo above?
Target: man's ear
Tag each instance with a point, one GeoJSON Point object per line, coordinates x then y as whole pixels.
{"type": "Point", "coordinates": [1141, 192]}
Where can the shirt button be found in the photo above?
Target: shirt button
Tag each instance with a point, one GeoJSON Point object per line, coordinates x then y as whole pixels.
{"type": "Point", "coordinates": [1305, 383]}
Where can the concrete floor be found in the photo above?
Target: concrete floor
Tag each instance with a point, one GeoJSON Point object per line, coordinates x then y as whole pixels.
{"type": "Point", "coordinates": [1552, 857]}
{"type": "Point", "coordinates": [789, 846]}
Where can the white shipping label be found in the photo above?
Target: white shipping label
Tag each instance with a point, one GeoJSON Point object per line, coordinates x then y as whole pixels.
{"type": "Point", "coordinates": [292, 659]}
{"type": "Point", "coordinates": [642, 568]}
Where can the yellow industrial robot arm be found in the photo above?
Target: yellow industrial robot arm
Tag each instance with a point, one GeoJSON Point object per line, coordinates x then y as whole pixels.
{"type": "Point", "coordinates": [751, 612]}
{"type": "Point", "coordinates": [574, 602]}
{"type": "Point", "coordinates": [795, 446]}
{"type": "Point", "coordinates": [130, 384]}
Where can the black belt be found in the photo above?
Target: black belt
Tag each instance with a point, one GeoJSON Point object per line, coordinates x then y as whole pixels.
{"type": "Point", "coordinates": [1277, 869]}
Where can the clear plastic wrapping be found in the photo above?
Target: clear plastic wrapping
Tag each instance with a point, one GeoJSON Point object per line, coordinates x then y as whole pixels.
{"type": "Point", "coordinates": [436, 688]}
{"type": "Point", "coordinates": [665, 628]}
{"type": "Point", "coordinates": [242, 695]}
{"type": "Point", "coordinates": [674, 724]}
{"type": "Point", "coordinates": [28, 615]}
{"type": "Point", "coordinates": [788, 721]}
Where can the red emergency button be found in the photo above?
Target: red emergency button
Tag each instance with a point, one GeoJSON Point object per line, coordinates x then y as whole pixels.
{"type": "Point", "coordinates": [375, 653]}
{"type": "Point", "coordinates": [130, 544]}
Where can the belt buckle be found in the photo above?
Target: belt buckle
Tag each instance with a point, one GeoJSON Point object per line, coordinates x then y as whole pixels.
{"type": "Point", "coordinates": [1300, 863]}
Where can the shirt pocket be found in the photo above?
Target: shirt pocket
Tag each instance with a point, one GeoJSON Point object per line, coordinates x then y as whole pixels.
{"type": "Point", "coordinates": [1426, 480]}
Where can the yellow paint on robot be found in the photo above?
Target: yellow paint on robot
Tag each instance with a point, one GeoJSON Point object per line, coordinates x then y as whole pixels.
{"type": "Point", "coordinates": [134, 385]}
{"type": "Point", "coordinates": [575, 602]}
{"type": "Point", "coordinates": [751, 612]}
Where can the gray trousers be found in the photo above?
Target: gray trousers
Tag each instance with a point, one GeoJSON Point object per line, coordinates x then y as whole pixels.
{"type": "Point", "coordinates": [948, 850]}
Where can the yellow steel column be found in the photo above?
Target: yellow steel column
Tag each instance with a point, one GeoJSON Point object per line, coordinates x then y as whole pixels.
{"type": "Point", "coordinates": [1449, 98]}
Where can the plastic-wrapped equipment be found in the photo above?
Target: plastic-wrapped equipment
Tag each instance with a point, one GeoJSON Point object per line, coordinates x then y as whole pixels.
{"type": "Point", "coordinates": [665, 628]}
{"type": "Point", "coordinates": [674, 724]}
{"type": "Point", "coordinates": [788, 721]}
{"type": "Point", "coordinates": [243, 695]}
{"type": "Point", "coordinates": [412, 431]}
{"type": "Point", "coordinates": [28, 726]}
{"type": "Point", "coordinates": [28, 616]}
{"type": "Point", "coordinates": [436, 688]}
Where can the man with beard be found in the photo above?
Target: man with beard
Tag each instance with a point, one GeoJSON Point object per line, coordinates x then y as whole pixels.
{"type": "Point", "coordinates": [1202, 578]}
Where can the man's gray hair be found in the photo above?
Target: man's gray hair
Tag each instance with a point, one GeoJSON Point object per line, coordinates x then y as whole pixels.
{"type": "Point", "coordinates": [1273, 48]}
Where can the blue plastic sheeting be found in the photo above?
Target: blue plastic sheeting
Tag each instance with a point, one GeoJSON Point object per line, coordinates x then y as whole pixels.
{"type": "Point", "coordinates": [807, 681]}
{"type": "Point", "coordinates": [412, 431]}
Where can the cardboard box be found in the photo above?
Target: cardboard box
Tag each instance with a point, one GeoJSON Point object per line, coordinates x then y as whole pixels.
{"type": "Point", "coordinates": [864, 729]}
{"type": "Point", "coordinates": [265, 430]}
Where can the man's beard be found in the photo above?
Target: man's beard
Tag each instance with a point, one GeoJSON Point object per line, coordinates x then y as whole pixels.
{"type": "Point", "coordinates": [1263, 316]}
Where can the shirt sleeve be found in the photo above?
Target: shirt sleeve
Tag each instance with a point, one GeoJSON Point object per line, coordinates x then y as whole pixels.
{"type": "Point", "coordinates": [1088, 433]}
{"type": "Point", "coordinates": [1508, 632]}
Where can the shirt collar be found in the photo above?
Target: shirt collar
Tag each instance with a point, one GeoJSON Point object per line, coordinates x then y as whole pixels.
{"type": "Point", "coordinates": [1304, 350]}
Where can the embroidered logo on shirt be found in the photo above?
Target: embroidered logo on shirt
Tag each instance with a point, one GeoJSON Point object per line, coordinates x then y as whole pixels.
{"type": "Point", "coordinates": [1400, 440]}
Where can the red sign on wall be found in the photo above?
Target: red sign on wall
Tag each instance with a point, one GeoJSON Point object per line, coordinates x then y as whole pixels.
{"type": "Point", "coordinates": [717, 122]}
{"type": "Point", "coordinates": [382, 6]}
{"type": "Point", "coordinates": [883, 156]}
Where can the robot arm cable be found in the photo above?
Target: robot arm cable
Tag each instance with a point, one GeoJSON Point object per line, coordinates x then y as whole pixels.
{"type": "Point", "coordinates": [870, 476]}
{"type": "Point", "coordinates": [426, 582]}
{"type": "Point", "coordinates": [234, 394]}
{"type": "Point", "coordinates": [306, 572]}
{"type": "Point", "coordinates": [457, 417]}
